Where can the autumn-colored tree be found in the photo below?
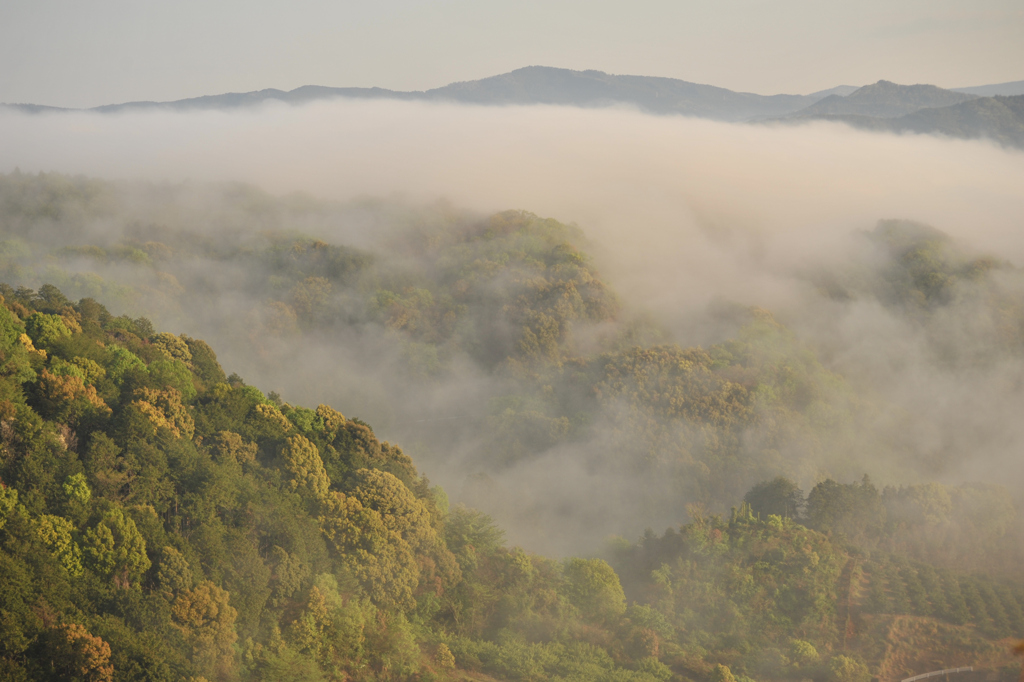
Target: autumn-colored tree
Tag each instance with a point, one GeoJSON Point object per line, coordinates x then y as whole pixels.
{"type": "Point", "coordinates": [230, 447]}
{"type": "Point", "coordinates": [174, 346]}
{"type": "Point", "coordinates": [67, 398]}
{"type": "Point", "coordinates": [399, 509]}
{"type": "Point", "coordinates": [443, 657]}
{"type": "Point", "coordinates": [80, 655]}
{"type": "Point", "coordinates": [274, 318]}
{"type": "Point", "coordinates": [163, 409]}
{"type": "Point", "coordinates": [409, 519]}
{"type": "Point", "coordinates": [302, 460]}
{"type": "Point", "coordinates": [329, 420]}
{"type": "Point", "coordinates": [270, 417]}
{"type": "Point", "coordinates": [378, 557]}
{"type": "Point", "coordinates": [310, 295]}
{"type": "Point", "coordinates": [206, 619]}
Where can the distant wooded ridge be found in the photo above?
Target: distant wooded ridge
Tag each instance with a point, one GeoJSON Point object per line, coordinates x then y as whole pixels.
{"type": "Point", "coordinates": [992, 111]}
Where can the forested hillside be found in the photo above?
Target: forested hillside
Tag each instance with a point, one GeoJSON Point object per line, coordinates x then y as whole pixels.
{"type": "Point", "coordinates": [161, 520]}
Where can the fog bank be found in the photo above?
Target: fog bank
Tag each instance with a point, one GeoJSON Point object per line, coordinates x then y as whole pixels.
{"type": "Point", "coordinates": [681, 213]}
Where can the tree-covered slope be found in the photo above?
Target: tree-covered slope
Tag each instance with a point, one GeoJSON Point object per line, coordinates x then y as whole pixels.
{"type": "Point", "coordinates": [160, 520]}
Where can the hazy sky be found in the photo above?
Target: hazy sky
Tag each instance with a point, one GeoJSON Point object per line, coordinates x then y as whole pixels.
{"type": "Point", "coordinates": [78, 53]}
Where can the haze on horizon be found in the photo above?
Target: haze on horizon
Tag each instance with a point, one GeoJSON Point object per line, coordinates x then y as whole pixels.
{"type": "Point", "coordinates": [63, 53]}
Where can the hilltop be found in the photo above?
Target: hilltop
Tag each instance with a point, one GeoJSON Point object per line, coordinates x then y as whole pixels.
{"type": "Point", "coordinates": [885, 100]}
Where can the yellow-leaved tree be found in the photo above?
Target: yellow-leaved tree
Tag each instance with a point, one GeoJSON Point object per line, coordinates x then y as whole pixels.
{"type": "Point", "coordinates": [302, 460]}
{"type": "Point", "coordinates": [385, 537]}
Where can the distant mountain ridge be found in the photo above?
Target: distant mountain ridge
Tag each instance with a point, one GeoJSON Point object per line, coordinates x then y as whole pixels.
{"type": "Point", "coordinates": [529, 85]}
{"type": "Point", "coordinates": [883, 106]}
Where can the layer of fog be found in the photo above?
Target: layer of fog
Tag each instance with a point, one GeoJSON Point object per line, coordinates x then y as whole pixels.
{"type": "Point", "coordinates": [681, 212]}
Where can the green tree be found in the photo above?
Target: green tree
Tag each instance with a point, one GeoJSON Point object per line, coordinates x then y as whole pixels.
{"type": "Point", "coordinates": [57, 533]}
{"type": "Point", "coordinates": [593, 587]}
{"type": "Point", "coordinates": [204, 362]}
{"type": "Point", "coordinates": [174, 574]}
{"type": "Point", "coordinates": [46, 330]}
{"type": "Point", "coordinates": [846, 669]}
{"type": "Point", "coordinates": [853, 509]}
{"type": "Point", "coordinates": [721, 673]}
{"type": "Point", "coordinates": [802, 653]}
{"type": "Point", "coordinates": [110, 471]}
{"type": "Point", "coordinates": [76, 488]}
{"type": "Point", "coordinates": [779, 496]}
{"type": "Point", "coordinates": [114, 548]}
{"type": "Point", "coordinates": [173, 374]}
{"type": "Point", "coordinates": [443, 657]}
{"type": "Point", "coordinates": [120, 362]}
{"type": "Point", "coordinates": [8, 503]}
{"type": "Point", "coordinates": [14, 357]}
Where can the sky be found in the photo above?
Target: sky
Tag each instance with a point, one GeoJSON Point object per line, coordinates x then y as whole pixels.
{"type": "Point", "coordinates": [79, 54]}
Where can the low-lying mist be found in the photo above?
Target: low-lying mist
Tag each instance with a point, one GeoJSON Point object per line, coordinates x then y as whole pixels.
{"type": "Point", "coordinates": [682, 216]}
